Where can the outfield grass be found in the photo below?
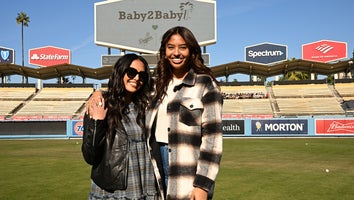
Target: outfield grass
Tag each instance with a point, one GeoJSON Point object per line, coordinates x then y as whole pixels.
{"type": "Point", "coordinates": [43, 169]}
{"type": "Point", "coordinates": [251, 169]}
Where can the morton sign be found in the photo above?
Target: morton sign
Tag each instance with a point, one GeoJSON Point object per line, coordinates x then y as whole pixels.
{"type": "Point", "coordinates": [139, 25]}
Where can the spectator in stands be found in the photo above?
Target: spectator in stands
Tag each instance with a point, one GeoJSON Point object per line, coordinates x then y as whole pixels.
{"type": "Point", "coordinates": [184, 123]}
{"type": "Point", "coordinates": [248, 95]}
{"type": "Point", "coordinates": [110, 119]}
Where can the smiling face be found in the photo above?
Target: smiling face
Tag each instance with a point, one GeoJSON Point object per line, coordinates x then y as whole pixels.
{"type": "Point", "coordinates": [177, 53]}
{"type": "Point", "coordinates": [134, 84]}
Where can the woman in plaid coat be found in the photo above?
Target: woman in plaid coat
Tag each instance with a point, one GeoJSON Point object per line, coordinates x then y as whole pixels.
{"type": "Point", "coordinates": [184, 124]}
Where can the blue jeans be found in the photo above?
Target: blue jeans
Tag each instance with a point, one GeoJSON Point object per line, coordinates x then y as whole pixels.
{"type": "Point", "coordinates": [164, 156]}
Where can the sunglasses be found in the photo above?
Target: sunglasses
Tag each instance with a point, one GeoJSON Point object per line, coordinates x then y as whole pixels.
{"type": "Point", "coordinates": [132, 72]}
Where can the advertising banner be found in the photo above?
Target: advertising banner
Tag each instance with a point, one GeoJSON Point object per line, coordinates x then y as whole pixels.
{"type": "Point", "coordinates": [78, 128]}
{"type": "Point", "coordinates": [48, 56]}
{"type": "Point", "coordinates": [279, 127]}
{"type": "Point", "coordinates": [7, 55]}
{"type": "Point", "coordinates": [233, 127]}
{"type": "Point", "coordinates": [139, 25]}
{"type": "Point", "coordinates": [266, 53]}
{"type": "Point", "coordinates": [334, 127]}
{"type": "Point", "coordinates": [324, 51]}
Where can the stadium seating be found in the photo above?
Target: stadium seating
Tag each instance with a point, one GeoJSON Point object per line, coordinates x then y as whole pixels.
{"type": "Point", "coordinates": [247, 106]}
{"type": "Point", "coordinates": [246, 100]}
{"type": "Point", "coordinates": [13, 97]}
{"type": "Point", "coordinates": [345, 90]}
{"type": "Point", "coordinates": [285, 100]}
{"type": "Point", "coordinates": [55, 103]}
{"type": "Point", "coordinates": [64, 94]}
{"type": "Point", "coordinates": [306, 99]}
{"type": "Point", "coordinates": [243, 100]}
{"type": "Point", "coordinates": [308, 90]}
{"type": "Point", "coordinates": [17, 93]}
{"type": "Point", "coordinates": [6, 106]}
{"type": "Point", "coordinates": [309, 106]}
{"type": "Point", "coordinates": [50, 108]}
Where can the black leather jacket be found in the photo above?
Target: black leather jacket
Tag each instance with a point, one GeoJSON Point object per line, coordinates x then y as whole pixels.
{"type": "Point", "coordinates": [93, 140]}
{"type": "Point", "coordinates": [109, 163]}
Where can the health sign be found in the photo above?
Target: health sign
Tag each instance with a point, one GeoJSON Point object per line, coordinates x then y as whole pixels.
{"type": "Point", "coordinates": [7, 55]}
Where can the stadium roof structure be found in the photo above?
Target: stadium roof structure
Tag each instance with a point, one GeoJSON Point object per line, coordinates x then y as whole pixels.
{"type": "Point", "coordinates": [55, 71]}
{"type": "Point", "coordinates": [227, 69]}
{"type": "Point", "coordinates": [283, 68]}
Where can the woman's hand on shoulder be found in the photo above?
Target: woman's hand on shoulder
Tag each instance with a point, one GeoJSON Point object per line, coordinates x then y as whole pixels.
{"type": "Point", "coordinates": [95, 106]}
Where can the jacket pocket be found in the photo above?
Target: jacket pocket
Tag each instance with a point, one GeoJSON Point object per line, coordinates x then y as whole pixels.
{"type": "Point", "coordinates": [191, 111]}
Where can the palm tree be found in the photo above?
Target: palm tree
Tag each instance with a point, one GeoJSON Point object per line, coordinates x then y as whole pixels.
{"type": "Point", "coordinates": [295, 76]}
{"type": "Point", "coordinates": [22, 19]}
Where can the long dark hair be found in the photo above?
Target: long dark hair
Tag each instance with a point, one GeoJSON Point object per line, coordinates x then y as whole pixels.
{"type": "Point", "coordinates": [164, 69]}
{"type": "Point", "coordinates": [116, 96]}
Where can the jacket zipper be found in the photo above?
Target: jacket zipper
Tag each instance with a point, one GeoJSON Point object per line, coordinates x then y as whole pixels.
{"type": "Point", "coordinates": [94, 132]}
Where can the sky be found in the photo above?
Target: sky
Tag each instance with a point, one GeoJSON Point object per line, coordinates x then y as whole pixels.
{"type": "Point", "coordinates": [69, 24]}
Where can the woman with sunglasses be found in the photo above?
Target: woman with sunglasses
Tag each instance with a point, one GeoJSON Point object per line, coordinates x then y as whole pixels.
{"type": "Point", "coordinates": [119, 112]}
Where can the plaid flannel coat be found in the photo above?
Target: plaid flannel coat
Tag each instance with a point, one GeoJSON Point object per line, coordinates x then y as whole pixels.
{"type": "Point", "coordinates": [194, 137]}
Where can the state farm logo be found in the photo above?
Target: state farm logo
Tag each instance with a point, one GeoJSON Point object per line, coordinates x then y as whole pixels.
{"type": "Point", "coordinates": [324, 51]}
{"type": "Point", "coordinates": [48, 56]}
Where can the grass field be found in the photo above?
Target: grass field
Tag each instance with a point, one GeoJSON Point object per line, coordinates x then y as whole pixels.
{"type": "Point", "coordinates": [251, 169]}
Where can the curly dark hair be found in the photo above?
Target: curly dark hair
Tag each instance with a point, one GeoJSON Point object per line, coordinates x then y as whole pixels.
{"type": "Point", "coordinates": [164, 69]}
{"type": "Point", "coordinates": [116, 99]}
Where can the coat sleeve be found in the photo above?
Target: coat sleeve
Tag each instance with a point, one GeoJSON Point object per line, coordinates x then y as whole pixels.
{"type": "Point", "coordinates": [212, 139]}
{"type": "Point", "coordinates": [94, 136]}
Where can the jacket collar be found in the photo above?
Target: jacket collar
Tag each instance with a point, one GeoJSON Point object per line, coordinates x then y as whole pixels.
{"type": "Point", "coordinates": [189, 80]}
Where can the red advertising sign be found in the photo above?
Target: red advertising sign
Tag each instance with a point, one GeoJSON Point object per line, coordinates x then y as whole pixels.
{"type": "Point", "coordinates": [324, 51]}
{"type": "Point", "coordinates": [334, 127]}
{"type": "Point", "coordinates": [48, 56]}
{"type": "Point", "coordinates": [78, 128]}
